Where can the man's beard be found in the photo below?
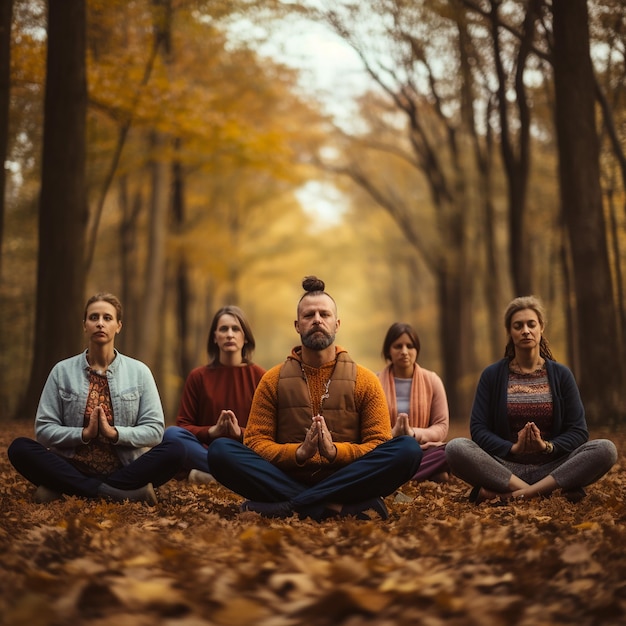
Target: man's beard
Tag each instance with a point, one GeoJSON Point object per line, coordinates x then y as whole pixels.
{"type": "Point", "coordinates": [318, 339]}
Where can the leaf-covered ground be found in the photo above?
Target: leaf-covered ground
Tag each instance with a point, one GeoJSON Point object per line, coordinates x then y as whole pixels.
{"type": "Point", "coordinates": [195, 560]}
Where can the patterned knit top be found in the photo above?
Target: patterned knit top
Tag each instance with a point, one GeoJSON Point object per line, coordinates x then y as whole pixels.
{"type": "Point", "coordinates": [529, 399]}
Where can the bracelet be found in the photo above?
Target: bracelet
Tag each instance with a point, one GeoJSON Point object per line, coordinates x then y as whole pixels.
{"type": "Point", "coordinates": [549, 448]}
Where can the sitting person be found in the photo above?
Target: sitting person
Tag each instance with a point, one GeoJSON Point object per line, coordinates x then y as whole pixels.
{"type": "Point", "coordinates": [417, 401]}
{"type": "Point", "coordinates": [216, 398]}
{"type": "Point", "coordinates": [528, 427]}
{"type": "Point", "coordinates": [99, 422]}
{"type": "Point", "coordinates": [318, 439]}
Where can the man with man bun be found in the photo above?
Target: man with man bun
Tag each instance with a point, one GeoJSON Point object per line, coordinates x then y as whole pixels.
{"type": "Point", "coordinates": [318, 441]}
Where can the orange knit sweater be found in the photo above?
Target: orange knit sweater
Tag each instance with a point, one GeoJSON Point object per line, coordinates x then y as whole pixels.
{"type": "Point", "coordinates": [370, 403]}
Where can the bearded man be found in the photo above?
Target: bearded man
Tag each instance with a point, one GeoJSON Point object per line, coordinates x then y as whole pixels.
{"type": "Point", "coordinates": [318, 440]}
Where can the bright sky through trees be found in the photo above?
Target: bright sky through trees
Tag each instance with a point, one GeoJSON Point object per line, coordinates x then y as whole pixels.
{"type": "Point", "coordinates": [332, 73]}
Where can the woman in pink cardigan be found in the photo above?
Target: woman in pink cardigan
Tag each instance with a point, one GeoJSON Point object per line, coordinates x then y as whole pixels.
{"type": "Point", "coordinates": [417, 400]}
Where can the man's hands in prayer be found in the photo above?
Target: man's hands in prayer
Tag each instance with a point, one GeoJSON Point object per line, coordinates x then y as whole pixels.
{"type": "Point", "coordinates": [318, 439]}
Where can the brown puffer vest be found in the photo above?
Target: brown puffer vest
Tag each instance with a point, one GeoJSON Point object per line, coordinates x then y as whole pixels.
{"type": "Point", "coordinates": [294, 403]}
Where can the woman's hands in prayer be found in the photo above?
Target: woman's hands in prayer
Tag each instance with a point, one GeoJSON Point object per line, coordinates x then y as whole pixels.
{"type": "Point", "coordinates": [99, 425]}
{"type": "Point", "coordinates": [529, 440]}
{"type": "Point", "coordinates": [227, 425]}
{"type": "Point", "coordinates": [402, 427]}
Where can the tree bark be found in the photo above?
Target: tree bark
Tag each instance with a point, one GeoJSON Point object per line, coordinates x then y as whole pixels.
{"type": "Point", "coordinates": [516, 150]}
{"type": "Point", "coordinates": [6, 16]}
{"type": "Point", "coordinates": [600, 373]}
{"type": "Point", "coordinates": [186, 353]}
{"type": "Point", "coordinates": [131, 205]}
{"type": "Point", "coordinates": [150, 330]}
{"type": "Point", "coordinates": [63, 199]}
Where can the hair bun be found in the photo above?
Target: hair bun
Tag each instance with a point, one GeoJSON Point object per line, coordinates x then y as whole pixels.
{"type": "Point", "coordinates": [312, 283]}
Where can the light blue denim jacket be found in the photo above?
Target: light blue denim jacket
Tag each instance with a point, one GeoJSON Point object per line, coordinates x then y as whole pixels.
{"type": "Point", "coordinates": [137, 410]}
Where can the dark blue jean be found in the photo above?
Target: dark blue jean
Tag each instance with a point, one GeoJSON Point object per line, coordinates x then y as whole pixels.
{"type": "Point", "coordinates": [377, 473]}
{"type": "Point", "coordinates": [41, 466]}
{"type": "Point", "coordinates": [194, 451]}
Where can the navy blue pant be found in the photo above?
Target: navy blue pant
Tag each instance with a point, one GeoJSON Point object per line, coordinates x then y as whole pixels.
{"type": "Point", "coordinates": [41, 466]}
{"type": "Point", "coordinates": [377, 473]}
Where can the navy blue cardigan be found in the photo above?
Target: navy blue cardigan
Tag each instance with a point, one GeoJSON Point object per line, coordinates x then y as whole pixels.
{"type": "Point", "coordinates": [489, 424]}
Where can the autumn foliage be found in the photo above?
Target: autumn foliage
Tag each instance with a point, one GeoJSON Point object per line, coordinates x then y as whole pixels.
{"type": "Point", "coordinates": [195, 560]}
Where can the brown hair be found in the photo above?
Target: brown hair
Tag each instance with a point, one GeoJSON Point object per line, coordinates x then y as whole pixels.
{"type": "Point", "coordinates": [249, 344]}
{"type": "Point", "coordinates": [397, 329]}
{"type": "Point", "coordinates": [314, 286]}
{"type": "Point", "coordinates": [519, 304]}
{"type": "Point", "coordinates": [105, 297]}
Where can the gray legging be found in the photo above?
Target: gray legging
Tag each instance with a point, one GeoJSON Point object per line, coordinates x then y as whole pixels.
{"type": "Point", "coordinates": [579, 468]}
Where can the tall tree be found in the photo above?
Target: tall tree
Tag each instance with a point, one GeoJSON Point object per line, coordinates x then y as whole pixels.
{"type": "Point", "coordinates": [437, 130]}
{"type": "Point", "coordinates": [516, 161]}
{"type": "Point", "coordinates": [6, 15]}
{"type": "Point", "coordinates": [63, 201]}
{"type": "Point", "coordinates": [599, 372]}
{"type": "Point", "coordinates": [159, 204]}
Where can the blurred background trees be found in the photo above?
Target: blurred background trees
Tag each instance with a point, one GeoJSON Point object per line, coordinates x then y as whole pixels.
{"type": "Point", "coordinates": [483, 158]}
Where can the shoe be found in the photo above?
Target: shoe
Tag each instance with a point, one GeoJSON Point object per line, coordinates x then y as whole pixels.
{"type": "Point", "coordinates": [143, 494]}
{"type": "Point", "coordinates": [479, 494]}
{"type": "Point", "coordinates": [198, 477]}
{"type": "Point", "coordinates": [44, 495]}
{"type": "Point", "coordinates": [473, 494]}
{"type": "Point", "coordinates": [574, 495]}
{"type": "Point", "coordinates": [268, 509]}
{"type": "Point", "coordinates": [362, 510]}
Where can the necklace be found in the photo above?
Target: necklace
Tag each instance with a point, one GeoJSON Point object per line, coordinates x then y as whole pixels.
{"type": "Point", "coordinates": [514, 366]}
{"type": "Point", "coordinates": [325, 393]}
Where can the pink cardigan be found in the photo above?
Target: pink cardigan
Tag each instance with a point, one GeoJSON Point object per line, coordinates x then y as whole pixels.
{"type": "Point", "coordinates": [428, 411]}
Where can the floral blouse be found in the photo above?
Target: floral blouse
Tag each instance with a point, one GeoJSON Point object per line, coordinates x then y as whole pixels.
{"type": "Point", "coordinates": [97, 458]}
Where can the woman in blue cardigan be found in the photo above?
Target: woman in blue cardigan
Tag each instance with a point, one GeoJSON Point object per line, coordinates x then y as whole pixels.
{"type": "Point", "coordinates": [528, 427]}
{"type": "Point", "coordinates": [99, 422]}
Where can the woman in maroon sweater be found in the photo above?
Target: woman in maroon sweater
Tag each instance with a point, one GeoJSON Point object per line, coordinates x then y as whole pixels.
{"type": "Point", "coordinates": [216, 398]}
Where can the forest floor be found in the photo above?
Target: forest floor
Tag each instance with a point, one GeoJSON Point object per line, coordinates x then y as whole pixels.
{"type": "Point", "coordinates": [194, 560]}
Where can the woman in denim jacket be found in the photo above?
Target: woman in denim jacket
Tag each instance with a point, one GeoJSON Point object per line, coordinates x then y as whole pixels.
{"type": "Point", "coordinates": [99, 423]}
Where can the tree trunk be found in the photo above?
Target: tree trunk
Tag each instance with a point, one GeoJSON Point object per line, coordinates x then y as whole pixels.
{"type": "Point", "coordinates": [186, 354]}
{"type": "Point", "coordinates": [150, 329]}
{"type": "Point", "coordinates": [129, 265]}
{"type": "Point", "coordinates": [455, 338]}
{"type": "Point", "coordinates": [600, 374]}
{"type": "Point", "coordinates": [483, 158]}
{"type": "Point", "coordinates": [63, 201]}
{"type": "Point", "coordinates": [6, 16]}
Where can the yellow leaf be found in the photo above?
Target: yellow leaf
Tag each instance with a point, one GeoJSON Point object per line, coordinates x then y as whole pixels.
{"type": "Point", "coordinates": [240, 612]}
{"type": "Point", "coordinates": [368, 599]}
{"type": "Point", "coordinates": [492, 581]}
{"type": "Point", "coordinates": [84, 566]}
{"type": "Point", "coordinates": [249, 533]}
{"type": "Point", "coordinates": [142, 560]}
{"type": "Point", "coordinates": [137, 593]}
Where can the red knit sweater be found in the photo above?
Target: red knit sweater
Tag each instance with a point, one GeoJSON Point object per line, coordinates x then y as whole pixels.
{"type": "Point", "coordinates": [209, 390]}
